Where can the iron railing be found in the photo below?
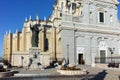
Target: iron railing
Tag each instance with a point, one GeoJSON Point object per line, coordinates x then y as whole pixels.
{"type": "Point", "coordinates": [107, 60]}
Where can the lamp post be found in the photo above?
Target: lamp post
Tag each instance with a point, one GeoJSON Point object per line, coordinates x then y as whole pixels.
{"type": "Point", "coordinates": [67, 54]}
{"type": "Point", "coordinates": [111, 50]}
{"type": "Point", "coordinates": [22, 60]}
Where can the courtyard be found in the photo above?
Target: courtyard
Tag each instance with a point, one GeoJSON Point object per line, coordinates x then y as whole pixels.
{"type": "Point", "coordinates": [94, 73]}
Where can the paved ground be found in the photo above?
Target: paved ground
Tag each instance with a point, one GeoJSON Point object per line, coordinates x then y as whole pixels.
{"type": "Point", "coordinates": [102, 74]}
{"type": "Point", "coordinates": [51, 74]}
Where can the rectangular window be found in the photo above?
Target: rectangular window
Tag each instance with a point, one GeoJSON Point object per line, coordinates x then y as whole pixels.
{"type": "Point", "coordinates": [101, 17]}
{"type": "Point", "coordinates": [60, 14]}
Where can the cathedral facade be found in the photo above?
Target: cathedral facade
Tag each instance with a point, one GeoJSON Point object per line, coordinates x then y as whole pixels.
{"type": "Point", "coordinates": [78, 31]}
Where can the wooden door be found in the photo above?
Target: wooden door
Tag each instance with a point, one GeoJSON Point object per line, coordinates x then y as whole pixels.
{"type": "Point", "coordinates": [80, 58]}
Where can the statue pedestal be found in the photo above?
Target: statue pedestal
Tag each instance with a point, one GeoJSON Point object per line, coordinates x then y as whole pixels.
{"type": "Point", "coordinates": [34, 58]}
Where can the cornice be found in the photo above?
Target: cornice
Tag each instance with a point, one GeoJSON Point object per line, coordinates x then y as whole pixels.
{"type": "Point", "coordinates": [91, 30]}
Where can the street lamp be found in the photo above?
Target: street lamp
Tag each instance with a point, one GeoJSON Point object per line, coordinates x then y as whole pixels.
{"type": "Point", "coordinates": [67, 54]}
{"type": "Point", "coordinates": [111, 50]}
{"type": "Point", "coordinates": [22, 60]}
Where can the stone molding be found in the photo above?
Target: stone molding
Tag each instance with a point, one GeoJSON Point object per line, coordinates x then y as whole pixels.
{"type": "Point", "coordinates": [93, 28]}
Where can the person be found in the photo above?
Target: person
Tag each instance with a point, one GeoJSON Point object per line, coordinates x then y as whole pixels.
{"type": "Point", "coordinates": [64, 63]}
{"type": "Point", "coordinates": [30, 62]}
{"type": "Point", "coordinates": [35, 31]}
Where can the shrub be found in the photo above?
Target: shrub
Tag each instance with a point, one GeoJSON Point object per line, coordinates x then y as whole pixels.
{"type": "Point", "coordinates": [70, 68]}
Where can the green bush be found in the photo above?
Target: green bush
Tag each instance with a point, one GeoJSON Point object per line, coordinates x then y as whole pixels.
{"type": "Point", "coordinates": [70, 68]}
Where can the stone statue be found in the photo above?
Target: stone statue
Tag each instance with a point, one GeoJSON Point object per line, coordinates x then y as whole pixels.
{"type": "Point", "coordinates": [35, 31]}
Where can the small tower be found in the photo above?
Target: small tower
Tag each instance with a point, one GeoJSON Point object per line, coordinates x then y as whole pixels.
{"type": "Point", "coordinates": [6, 32]}
{"type": "Point", "coordinates": [30, 18]}
{"type": "Point", "coordinates": [9, 31]}
{"type": "Point", "coordinates": [37, 18]}
{"type": "Point", "coordinates": [16, 30]}
{"type": "Point", "coordinates": [45, 18]}
{"type": "Point", "coordinates": [26, 19]}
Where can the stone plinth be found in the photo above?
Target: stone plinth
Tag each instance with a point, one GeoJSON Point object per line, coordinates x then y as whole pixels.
{"type": "Point", "coordinates": [34, 55]}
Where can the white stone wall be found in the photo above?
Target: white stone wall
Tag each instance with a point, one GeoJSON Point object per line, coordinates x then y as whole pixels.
{"type": "Point", "coordinates": [17, 61]}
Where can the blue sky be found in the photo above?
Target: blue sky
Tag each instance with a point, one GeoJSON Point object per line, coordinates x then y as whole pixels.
{"type": "Point", "coordinates": [13, 13]}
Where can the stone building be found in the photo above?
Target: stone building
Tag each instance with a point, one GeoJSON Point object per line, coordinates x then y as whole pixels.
{"type": "Point", "coordinates": [77, 30]}
{"type": "Point", "coordinates": [17, 45]}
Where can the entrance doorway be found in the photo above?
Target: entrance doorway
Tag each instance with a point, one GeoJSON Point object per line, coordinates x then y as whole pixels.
{"type": "Point", "coordinates": [80, 59]}
{"type": "Point", "coordinates": [102, 56]}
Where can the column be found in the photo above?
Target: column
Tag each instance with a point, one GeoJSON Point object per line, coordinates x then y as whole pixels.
{"type": "Point", "coordinates": [9, 47]}
{"type": "Point", "coordinates": [42, 41]}
{"type": "Point", "coordinates": [5, 46]}
{"type": "Point", "coordinates": [24, 40]}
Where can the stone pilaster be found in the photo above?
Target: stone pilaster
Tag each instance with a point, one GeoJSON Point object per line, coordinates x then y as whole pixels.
{"type": "Point", "coordinates": [94, 50]}
{"type": "Point", "coordinates": [88, 57]}
{"type": "Point", "coordinates": [58, 47]}
{"type": "Point", "coordinates": [42, 39]}
{"type": "Point", "coordinates": [28, 40]}
{"type": "Point", "coordinates": [53, 39]}
{"type": "Point", "coordinates": [20, 42]}
{"type": "Point", "coordinates": [5, 47]}
{"type": "Point", "coordinates": [8, 47]}
{"type": "Point", "coordinates": [85, 12]}
{"type": "Point", "coordinates": [17, 41]}
{"type": "Point", "coordinates": [24, 40]}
